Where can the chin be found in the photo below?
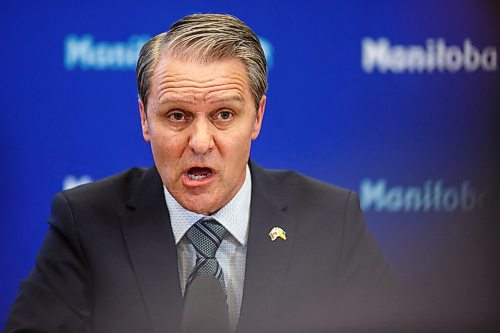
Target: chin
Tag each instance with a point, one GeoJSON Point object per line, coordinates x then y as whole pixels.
{"type": "Point", "coordinates": [196, 207]}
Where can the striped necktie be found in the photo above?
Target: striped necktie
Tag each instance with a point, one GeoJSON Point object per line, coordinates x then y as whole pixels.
{"type": "Point", "coordinates": [206, 236]}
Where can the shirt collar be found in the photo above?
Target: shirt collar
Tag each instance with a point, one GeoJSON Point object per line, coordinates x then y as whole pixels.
{"type": "Point", "coordinates": [234, 216]}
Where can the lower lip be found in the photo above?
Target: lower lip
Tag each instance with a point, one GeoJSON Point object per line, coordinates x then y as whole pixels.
{"type": "Point", "coordinates": [197, 183]}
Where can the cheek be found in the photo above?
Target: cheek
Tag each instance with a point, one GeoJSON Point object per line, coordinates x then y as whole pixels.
{"type": "Point", "coordinates": [237, 146]}
{"type": "Point", "coordinates": [167, 148]}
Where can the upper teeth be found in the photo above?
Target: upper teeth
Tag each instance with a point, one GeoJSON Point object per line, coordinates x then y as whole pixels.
{"type": "Point", "coordinates": [196, 177]}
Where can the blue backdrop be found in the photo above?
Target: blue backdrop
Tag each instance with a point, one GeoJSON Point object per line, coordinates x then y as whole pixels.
{"type": "Point", "coordinates": [397, 101]}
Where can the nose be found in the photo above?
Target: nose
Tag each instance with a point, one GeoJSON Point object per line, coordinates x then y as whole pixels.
{"type": "Point", "coordinates": [201, 140]}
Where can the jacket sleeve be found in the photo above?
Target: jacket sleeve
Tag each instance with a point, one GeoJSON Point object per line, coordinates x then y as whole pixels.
{"type": "Point", "coordinates": [56, 296]}
{"type": "Point", "coordinates": [363, 266]}
{"type": "Point", "coordinates": [370, 294]}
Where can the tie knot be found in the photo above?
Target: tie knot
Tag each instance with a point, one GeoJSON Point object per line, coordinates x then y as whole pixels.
{"type": "Point", "coordinates": [206, 236]}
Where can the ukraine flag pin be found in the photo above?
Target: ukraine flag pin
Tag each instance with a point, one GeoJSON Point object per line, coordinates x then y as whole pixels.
{"type": "Point", "coordinates": [277, 232]}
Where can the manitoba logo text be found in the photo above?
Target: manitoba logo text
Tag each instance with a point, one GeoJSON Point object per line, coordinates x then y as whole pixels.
{"type": "Point", "coordinates": [431, 196]}
{"type": "Point", "coordinates": [71, 181]}
{"type": "Point", "coordinates": [435, 56]}
{"type": "Point", "coordinates": [85, 53]}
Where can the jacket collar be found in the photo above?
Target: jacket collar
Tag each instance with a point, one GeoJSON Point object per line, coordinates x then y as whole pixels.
{"type": "Point", "coordinates": [267, 261]}
{"type": "Point", "coordinates": [151, 247]}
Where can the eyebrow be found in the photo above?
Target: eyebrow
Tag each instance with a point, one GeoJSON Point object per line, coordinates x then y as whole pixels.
{"type": "Point", "coordinates": [170, 100]}
{"type": "Point", "coordinates": [232, 98]}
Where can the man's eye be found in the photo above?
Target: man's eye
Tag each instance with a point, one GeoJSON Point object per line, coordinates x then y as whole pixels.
{"type": "Point", "coordinates": [176, 116]}
{"type": "Point", "coordinates": [224, 115]}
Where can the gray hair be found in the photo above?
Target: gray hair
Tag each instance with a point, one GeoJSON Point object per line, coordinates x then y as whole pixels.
{"type": "Point", "coordinates": [205, 38]}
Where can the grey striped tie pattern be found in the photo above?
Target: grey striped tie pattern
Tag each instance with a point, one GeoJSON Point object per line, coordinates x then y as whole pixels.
{"type": "Point", "coordinates": [206, 236]}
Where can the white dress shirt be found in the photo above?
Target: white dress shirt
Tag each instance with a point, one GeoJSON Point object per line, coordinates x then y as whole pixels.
{"type": "Point", "coordinates": [231, 255]}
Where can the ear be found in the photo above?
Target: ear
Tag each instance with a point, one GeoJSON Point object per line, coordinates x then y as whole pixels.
{"type": "Point", "coordinates": [258, 120]}
{"type": "Point", "coordinates": [146, 134]}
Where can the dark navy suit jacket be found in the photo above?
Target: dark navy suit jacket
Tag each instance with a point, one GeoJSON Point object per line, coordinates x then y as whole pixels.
{"type": "Point", "coordinates": [108, 262]}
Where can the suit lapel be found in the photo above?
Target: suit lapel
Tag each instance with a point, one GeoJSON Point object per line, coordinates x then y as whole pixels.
{"type": "Point", "coordinates": [267, 261]}
{"type": "Point", "coordinates": [151, 246]}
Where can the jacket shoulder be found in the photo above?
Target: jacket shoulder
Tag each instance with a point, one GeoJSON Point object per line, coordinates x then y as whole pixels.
{"type": "Point", "coordinates": [308, 188]}
{"type": "Point", "coordinates": [116, 188]}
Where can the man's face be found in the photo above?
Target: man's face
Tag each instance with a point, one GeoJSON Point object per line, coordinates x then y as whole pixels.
{"type": "Point", "coordinates": [200, 121]}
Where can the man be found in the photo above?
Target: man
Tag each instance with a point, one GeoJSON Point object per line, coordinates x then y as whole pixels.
{"type": "Point", "coordinates": [290, 253]}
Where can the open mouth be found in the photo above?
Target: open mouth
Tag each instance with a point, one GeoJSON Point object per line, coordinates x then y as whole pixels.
{"type": "Point", "coordinates": [197, 173]}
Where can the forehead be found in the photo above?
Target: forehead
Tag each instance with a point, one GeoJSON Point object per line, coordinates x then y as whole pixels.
{"type": "Point", "coordinates": [178, 75]}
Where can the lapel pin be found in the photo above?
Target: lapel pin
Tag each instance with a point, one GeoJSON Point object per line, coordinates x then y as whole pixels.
{"type": "Point", "coordinates": [277, 232]}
